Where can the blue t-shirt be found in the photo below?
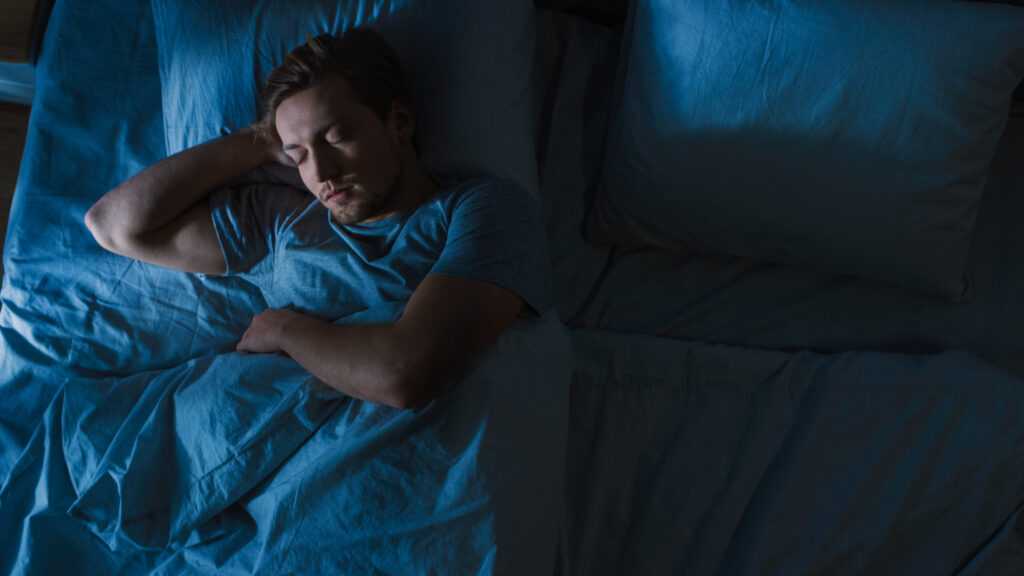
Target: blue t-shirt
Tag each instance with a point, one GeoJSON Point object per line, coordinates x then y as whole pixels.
{"type": "Point", "coordinates": [286, 242]}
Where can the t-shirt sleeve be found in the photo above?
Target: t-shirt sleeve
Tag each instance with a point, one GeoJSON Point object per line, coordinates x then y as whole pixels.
{"type": "Point", "coordinates": [248, 221]}
{"type": "Point", "coordinates": [495, 234]}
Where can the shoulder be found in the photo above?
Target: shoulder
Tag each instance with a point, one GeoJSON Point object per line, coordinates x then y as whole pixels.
{"type": "Point", "coordinates": [493, 185]}
{"type": "Point", "coordinates": [486, 191]}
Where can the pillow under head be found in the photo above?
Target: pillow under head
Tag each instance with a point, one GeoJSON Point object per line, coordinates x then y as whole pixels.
{"type": "Point", "coordinates": [853, 137]}
{"type": "Point", "coordinates": [469, 63]}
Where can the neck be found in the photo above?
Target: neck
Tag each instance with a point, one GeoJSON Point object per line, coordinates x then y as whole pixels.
{"type": "Point", "coordinates": [414, 187]}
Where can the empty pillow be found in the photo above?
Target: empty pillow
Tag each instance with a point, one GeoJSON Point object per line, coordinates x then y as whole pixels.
{"type": "Point", "coordinates": [852, 137]}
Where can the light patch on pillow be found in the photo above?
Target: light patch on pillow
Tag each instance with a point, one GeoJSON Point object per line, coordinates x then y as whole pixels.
{"type": "Point", "coordinates": [847, 137]}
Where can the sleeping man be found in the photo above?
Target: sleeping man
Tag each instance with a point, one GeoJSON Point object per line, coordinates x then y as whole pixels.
{"type": "Point", "coordinates": [467, 257]}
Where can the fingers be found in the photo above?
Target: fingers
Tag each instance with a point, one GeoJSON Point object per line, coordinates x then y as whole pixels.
{"type": "Point", "coordinates": [242, 345]}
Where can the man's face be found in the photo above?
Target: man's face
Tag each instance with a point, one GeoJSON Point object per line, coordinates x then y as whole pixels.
{"type": "Point", "coordinates": [346, 156]}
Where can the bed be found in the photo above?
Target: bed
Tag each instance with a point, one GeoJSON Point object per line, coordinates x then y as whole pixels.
{"type": "Point", "coordinates": [679, 411]}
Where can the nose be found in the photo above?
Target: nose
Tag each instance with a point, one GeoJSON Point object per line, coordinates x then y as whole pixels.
{"type": "Point", "coordinates": [325, 166]}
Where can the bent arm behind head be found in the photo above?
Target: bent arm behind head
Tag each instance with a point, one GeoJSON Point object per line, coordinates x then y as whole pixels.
{"type": "Point", "coordinates": [160, 215]}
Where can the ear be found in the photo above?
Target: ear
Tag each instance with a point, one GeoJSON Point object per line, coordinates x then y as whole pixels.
{"type": "Point", "coordinates": [401, 123]}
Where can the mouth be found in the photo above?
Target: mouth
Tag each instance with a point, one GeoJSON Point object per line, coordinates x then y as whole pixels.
{"type": "Point", "coordinates": [339, 194]}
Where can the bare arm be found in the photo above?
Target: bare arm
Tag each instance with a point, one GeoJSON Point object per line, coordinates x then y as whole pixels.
{"type": "Point", "coordinates": [447, 324]}
{"type": "Point", "coordinates": [160, 215]}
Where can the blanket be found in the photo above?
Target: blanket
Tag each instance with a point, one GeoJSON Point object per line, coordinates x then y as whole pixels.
{"type": "Point", "coordinates": [246, 463]}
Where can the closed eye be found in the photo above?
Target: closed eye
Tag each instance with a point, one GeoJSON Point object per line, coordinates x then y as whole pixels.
{"type": "Point", "coordinates": [336, 135]}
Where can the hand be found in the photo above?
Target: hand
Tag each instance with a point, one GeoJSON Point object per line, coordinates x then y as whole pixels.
{"type": "Point", "coordinates": [265, 331]}
{"type": "Point", "coordinates": [278, 155]}
{"type": "Point", "coordinates": [271, 145]}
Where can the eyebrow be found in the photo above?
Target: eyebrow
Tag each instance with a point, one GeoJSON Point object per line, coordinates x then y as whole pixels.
{"type": "Point", "coordinates": [319, 132]}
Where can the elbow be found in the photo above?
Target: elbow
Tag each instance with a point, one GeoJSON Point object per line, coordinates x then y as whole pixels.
{"type": "Point", "coordinates": [92, 222]}
{"type": "Point", "coordinates": [388, 388]}
{"type": "Point", "coordinates": [415, 374]}
{"type": "Point", "coordinates": [414, 402]}
{"type": "Point", "coordinates": [412, 391]}
{"type": "Point", "coordinates": [105, 234]}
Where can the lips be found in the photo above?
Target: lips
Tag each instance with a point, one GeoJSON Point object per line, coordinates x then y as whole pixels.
{"type": "Point", "coordinates": [339, 193]}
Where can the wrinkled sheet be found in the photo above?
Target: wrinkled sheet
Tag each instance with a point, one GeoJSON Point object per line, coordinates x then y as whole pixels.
{"type": "Point", "coordinates": [240, 463]}
{"type": "Point", "coordinates": [133, 439]}
{"type": "Point", "coordinates": [71, 309]}
{"type": "Point", "coordinates": [688, 458]}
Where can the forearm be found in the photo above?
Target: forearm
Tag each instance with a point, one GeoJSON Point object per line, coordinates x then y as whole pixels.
{"type": "Point", "coordinates": [363, 361]}
{"type": "Point", "coordinates": [163, 191]}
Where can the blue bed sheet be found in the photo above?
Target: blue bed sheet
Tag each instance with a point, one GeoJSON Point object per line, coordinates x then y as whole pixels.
{"type": "Point", "coordinates": [69, 308]}
{"type": "Point", "coordinates": [761, 457]}
{"type": "Point", "coordinates": [245, 464]}
{"type": "Point", "coordinates": [133, 439]}
{"type": "Point", "coordinates": [689, 458]}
